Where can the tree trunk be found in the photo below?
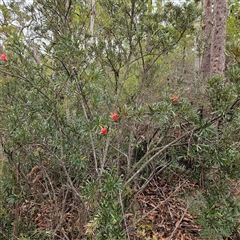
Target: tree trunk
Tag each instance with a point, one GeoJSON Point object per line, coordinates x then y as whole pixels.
{"type": "Point", "coordinates": [93, 16]}
{"type": "Point", "coordinates": [214, 37]}
{"type": "Point", "coordinates": [207, 30]}
{"type": "Point", "coordinates": [218, 38]}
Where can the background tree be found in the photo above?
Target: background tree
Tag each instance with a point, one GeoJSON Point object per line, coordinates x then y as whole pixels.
{"type": "Point", "coordinates": [217, 61]}
{"type": "Point", "coordinates": [207, 39]}
{"type": "Point", "coordinates": [214, 36]}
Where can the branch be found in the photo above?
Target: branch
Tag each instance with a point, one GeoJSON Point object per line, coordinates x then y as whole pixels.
{"type": "Point", "coordinates": [159, 150]}
{"type": "Point", "coordinates": [26, 80]}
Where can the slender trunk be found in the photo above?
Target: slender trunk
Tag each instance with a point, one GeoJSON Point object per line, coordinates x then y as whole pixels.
{"type": "Point", "coordinates": [93, 16]}
{"type": "Point", "coordinates": [149, 36]}
{"type": "Point", "coordinates": [207, 30]}
{"type": "Point", "coordinates": [197, 48]}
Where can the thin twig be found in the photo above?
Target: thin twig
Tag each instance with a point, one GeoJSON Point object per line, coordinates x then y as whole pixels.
{"type": "Point", "coordinates": [163, 167]}
{"type": "Point", "coordinates": [125, 222]}
{"type": "Point", "coordinates": [159, 151]}
{"type": "Point", "coordinates": [175, 229]}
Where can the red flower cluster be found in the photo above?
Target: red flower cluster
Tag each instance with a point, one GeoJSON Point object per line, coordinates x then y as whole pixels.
{"type": "Point", "coordinates": [104, 130]}
{"type": "Point", "coordinates": [175, 99]}
{"type": "Point", "coordinates": [3, 57]}
{"type": "Point", "coordinates": [114, 116]}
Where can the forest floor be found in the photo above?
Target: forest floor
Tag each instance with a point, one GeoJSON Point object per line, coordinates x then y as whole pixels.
{"type": "Point", "coordinates": [163, 210]}
{"type": "Point", "coordinates": [166, 209]}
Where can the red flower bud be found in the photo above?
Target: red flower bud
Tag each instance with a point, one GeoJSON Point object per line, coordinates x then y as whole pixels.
{"type": "Point", "coordinates": [175, 99]}
{"type": "Point", "coordinates": [114, 116]}
{"type": "Point", "coordinates": [3, 57]}
{"type": "Point", "coordinates": [104, 130]}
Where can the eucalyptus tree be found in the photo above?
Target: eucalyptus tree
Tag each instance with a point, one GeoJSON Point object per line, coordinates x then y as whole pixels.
{"type": "Point", "coordinates": [217, 61]}
{"type": "Point", "coordinates": [214, 34]}
{"type": "Point", "coordinates": [207, 31]}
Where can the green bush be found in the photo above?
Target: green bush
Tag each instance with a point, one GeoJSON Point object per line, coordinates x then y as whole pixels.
{"type": "Point", "coordinates": [60, 91]}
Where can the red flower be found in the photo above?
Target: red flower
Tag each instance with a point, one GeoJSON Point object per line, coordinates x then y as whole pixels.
{"type": "Point", "coordinates": [114, 116]}
{"type": "Point", "coordinates": [175, 99]}
{"type": "Point", "coordinates": [104, 130]}
{"type": "Point", "coordinates": [3, 57]}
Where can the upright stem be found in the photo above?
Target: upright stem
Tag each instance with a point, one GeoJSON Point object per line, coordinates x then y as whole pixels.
{"type": "Point", "coordinates": [93, 16]}
{"type": "Point", "coordinates": [207, 31]}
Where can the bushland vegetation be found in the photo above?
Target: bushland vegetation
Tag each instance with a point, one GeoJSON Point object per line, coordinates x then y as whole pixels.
{"type": "Point", "coordinates": [100, 98]}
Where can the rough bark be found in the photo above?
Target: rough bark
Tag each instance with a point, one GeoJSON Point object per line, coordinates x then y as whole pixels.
{"type": "Point", "coordinates": [218, 38]}
{"type": "Point", "coordinates": [207, 37]}
{"type": "Point", "coordinates": [214, 38]}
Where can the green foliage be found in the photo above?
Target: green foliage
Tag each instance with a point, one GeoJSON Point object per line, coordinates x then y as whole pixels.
{"type": "Point", "coordinates": [221, 94]}
{"type": "Point", "coordinates": [7, 200]}
{"type": "Point", "coordinates": [233, 35]}
{"type": "Point", "coordinates": [104, 198]}
{"type": "Point", "coordinates": [219, 213]}
{"type": "Point", "coordinates": [59, 87]}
